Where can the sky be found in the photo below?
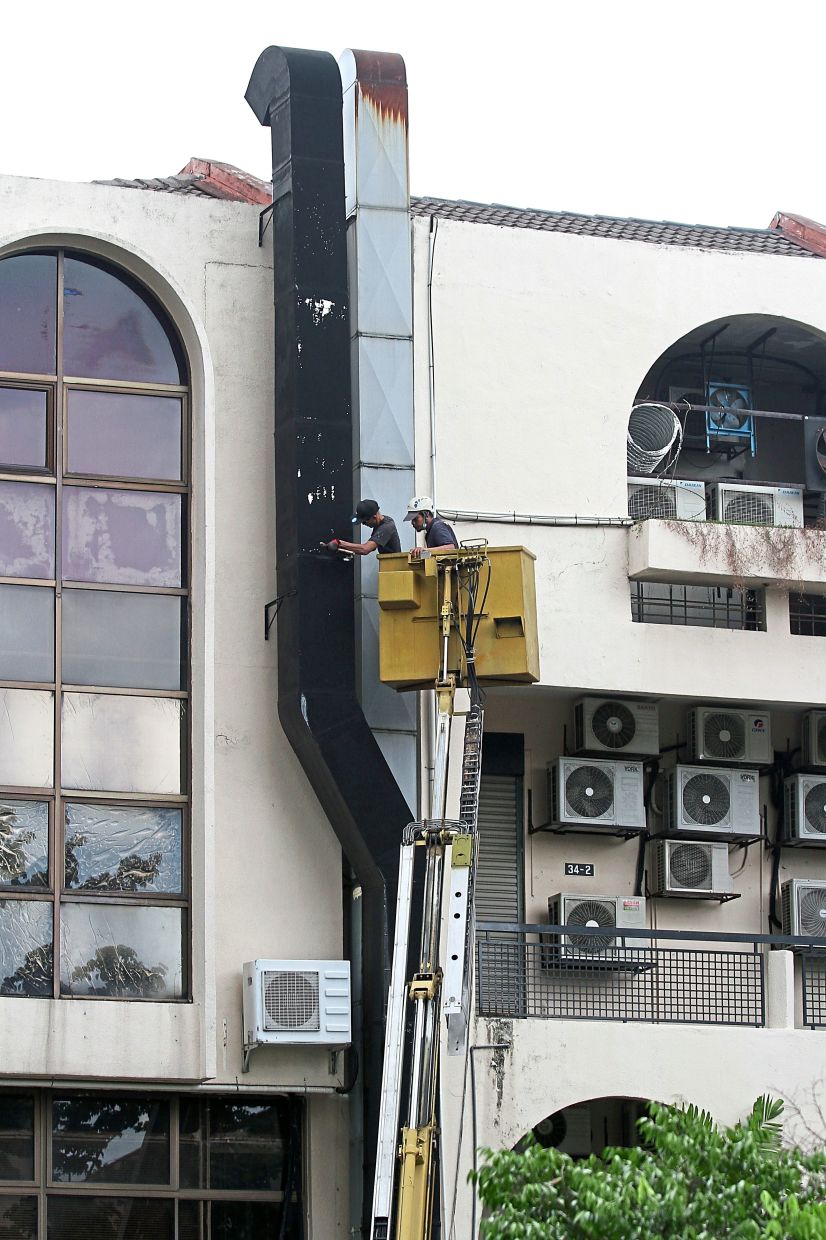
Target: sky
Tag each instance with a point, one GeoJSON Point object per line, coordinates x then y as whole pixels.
{"type": "Point", "coordinates": [702, 112]}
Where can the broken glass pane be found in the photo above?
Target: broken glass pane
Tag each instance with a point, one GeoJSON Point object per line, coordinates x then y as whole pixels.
{"type": "Point", "coordinates": [114, 743]}
{"type": "Point", "coordinates": [24, 843]}
{"type": "Point", "coordinates": [124, 435]}
{"type": "Point", "coordinates": [18, 1218]}
{"type": "Point", "coordinates": [112, 331]}
{"type": "Point", "coordinates": [26, 948]}
{"type": "Point", "coordinates": [26, 738]}
{"type": "Point", "coordinates": [111, 1218]}
{"type": "Point", "coordinates": [122, 952]}
{"type": "Point", "coordinates": [22, 427]}
{"type": "Point", "coordinates": [26, 633]}
{"type": "Point", "coordinates": [16, 1139]}
{"type": "Point", "coordinates": [114, 848]}
{"type": "Point", "coordinates": [123, 640]}
{"type": "Point", "coordinates": [28, 293]}
{"type": "Point", "coordinates": [110, 1140]}
{"type": "Point", "coordinates": [26, 530]}
{"type": "Point", "coordinates": [121, 537]}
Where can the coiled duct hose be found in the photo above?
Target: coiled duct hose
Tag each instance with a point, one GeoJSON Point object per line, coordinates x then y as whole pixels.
{"type": "Point", "coordinates": [653, 431]}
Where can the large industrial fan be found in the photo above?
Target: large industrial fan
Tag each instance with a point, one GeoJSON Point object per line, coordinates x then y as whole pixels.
{"type": "Point", "coordinates": [728, 414]}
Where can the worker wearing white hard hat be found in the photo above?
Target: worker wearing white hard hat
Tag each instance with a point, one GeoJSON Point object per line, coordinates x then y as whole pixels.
{"type": "Point", "coordinates": [421, 513]}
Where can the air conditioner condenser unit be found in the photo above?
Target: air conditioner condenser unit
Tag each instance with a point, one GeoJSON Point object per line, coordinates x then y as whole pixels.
{"type": "Point", "coordinates": [805, 810]}
{"type": "Point", "coordinates": [611, 725]}
{"type": "Point", "coordinates": [591, 912]}
{"type": "Point", "coordinates": [803, 909]}
{"type": "Point", "coordinates": [297, 1002]}
{"type": "Point", "coordinates": [737, 503]}
{"type": "Point", "coordinates": [602, 796]}
{"type": "Point", "coordinates": [666, 499]}
{"type": "Point", "coordinates": [723, 734]}
{"type": "Point", "coordinates": [711, 803]}
{"type": "Point", "coordinates": [690, 869]}
{"type": "Point", "coordinates": [814, 738]}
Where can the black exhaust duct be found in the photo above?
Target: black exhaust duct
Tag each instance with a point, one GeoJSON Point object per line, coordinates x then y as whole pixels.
{"type": "Point", "coordinates": [298, 94]}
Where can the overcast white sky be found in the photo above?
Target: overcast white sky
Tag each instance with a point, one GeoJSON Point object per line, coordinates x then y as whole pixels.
{"type": "Point", "coordinates": [703, 112]}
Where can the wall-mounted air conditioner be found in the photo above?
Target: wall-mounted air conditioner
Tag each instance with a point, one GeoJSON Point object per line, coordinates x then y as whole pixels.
{"type": "Point", "coordinates": [814, 738]}
{"type": "Point", "coordinates": [739, 504]}
{"type": "Point", "coordinates": [601, 796]}
{"type": "Point", "coordinates": [297, 1002]}
{"type": "Point", "coordinates": [805, 810]}
{"type": "Point", "coordinates": [711, 803]}
{"type": "Point", "coordinates": [613, 725]}
{"type": "Point", "coordinates": [724, 734]}
{"type": "Point", "coordinates": [666, 499]}
{"type": "Point", "coordinates": [803, 909]}
{"type": "Point", "coordinates": [692, 869]}
{"type": "Point", "coordinates": [605, 912]}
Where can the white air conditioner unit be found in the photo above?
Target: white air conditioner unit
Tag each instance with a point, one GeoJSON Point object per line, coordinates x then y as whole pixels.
{"type": "Point", "coordinates": [608, 951]}
{"type": "Point", "coordinates": [741, 504]}
{"type": "Point", "coordinates": [611, 725]}
{"type": "Point", "coordinates": [814, 738]}
{"type": "Point", "coordinates": [692, 869]}
{"type": "Point", "coordinates": [803, 909]}
{"type": "Point", "coordinates": [712, 803]}
{"type": "Point", "coordinates": [297, 1002]}
{"type": "Point", "coordinates": [666, 499]}
{"type": "Point", "coordinates": [597, 796]}
{"type": "Point", "coordinates": [805, 810]}
{"type": "Point", "coordinates": [723, 734]}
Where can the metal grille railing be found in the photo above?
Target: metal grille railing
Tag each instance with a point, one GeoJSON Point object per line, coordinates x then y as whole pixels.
{"type": "Point", "coordinates": [628, 980]}
{"type": "Point", "coordinates": [813, 987]}
{"type": "Point", "coordinates": [712, 607]}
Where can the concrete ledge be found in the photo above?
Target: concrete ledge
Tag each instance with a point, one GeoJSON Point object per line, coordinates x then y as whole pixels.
{"type": "Point", "coordinates": [709, 553]}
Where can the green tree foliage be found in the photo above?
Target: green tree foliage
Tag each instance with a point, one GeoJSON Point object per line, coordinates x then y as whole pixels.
{"type": "Point", "coordinates": [687, 1179]}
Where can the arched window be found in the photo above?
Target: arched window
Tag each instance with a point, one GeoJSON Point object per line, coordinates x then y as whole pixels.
{"type": "Point", "coordinates": [94, 634]}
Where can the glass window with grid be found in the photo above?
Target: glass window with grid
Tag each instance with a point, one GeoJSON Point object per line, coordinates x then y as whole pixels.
{"type": "Point", "coordinates": [807, 615]}
{"type": "Point", "coordinates": [94, 634]}
{"type": "Point", "coordinates": [131, 1165]}
{"type": "Point", "coordinates": [710, 607]}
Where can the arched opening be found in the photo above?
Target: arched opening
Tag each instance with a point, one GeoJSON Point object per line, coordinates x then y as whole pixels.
{"type": "Point", "coordinates": [589, 1127]}
{"type": "Point", "coordinates": [750, 393]}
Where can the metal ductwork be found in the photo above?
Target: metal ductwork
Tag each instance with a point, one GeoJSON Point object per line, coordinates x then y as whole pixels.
{"type": "Point", "coordinates": [298, 95]}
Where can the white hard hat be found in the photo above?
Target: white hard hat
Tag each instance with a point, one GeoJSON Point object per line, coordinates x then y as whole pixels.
{"type": "Point", "coordinates": [419, 503]}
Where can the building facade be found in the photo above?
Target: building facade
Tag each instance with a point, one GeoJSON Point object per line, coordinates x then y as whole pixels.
{"type": "Point", "coordinates": [160, 829]}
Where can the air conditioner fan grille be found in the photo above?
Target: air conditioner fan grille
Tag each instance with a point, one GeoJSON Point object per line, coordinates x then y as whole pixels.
{"type": "Point", "coordinates": [812, 911]}
{"type": "Point", "coordinates": [614, 725]}
{"type": "Point", "coordinates": [743, 508]}
{"type": "Point", "coordinates": [652, 503]}
{"type": "Point", "coordinates": [291, 1000]}
{"type": "Point", "coordinates": [690, 866]}
{"type": "Point", "coordinates": [591, 913]}
{"type": "Point", "coordinates": [589, 792]}
{"type": "Point", "coordinates": [815, 808]}
{"type": "Point", "coordinates": [706, 799]}
{"type": "Point", "coordinates": [724, 735]}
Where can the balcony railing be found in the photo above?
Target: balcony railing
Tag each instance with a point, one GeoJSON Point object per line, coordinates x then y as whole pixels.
{"type": "Point", "coordinates": [658, 976]}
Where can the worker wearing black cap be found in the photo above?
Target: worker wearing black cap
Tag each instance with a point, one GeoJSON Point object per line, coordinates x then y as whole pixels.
{"type": "Point", "coordinates": [384, 535]}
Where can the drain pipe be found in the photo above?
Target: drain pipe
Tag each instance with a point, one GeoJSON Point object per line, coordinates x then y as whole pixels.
{"type": "Point", "coordinates": [297, 94]}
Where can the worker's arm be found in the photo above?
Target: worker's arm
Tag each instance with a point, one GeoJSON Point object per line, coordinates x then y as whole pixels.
{"type": "Point", "coordinates": [340, 544]}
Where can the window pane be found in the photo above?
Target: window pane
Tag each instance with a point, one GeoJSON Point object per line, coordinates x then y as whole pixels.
{"type": "Point", "coordinates": [123, 435]}
{"type": "Point", "coordinates": [26, 736]}
{"type": "Point", "coordinates": [26, 633]}
{"type": "Point", "coordinates": [26, 948]}
{"type": "Point", "coordinates": [122, 744]}
{"type": "Point", "coordinates": [18, 1218]}
{"type": "Point", "coordinates": [111, 331]}
{"type": "Point", "coordinates": [110, 1140]}
{"type": "Point", "coordinates": [26, 530]}
{"type": "Point", "coordinates": [22, 427]}
{"type": "Point", "coordinates": [246, 1147]}
{"type": "Point", "coordinates": [248, 1220]}
{"type": "Point", "coordinates": [121, 537]}
{"type": "Point", "coordinates": [16, 1139]}
{"type": "Point", "coordinates": [128, 640]}
{"type": "Point", "coordinates": [122, 952]}
{"type": "Point", "coordinates": [109, 848]}
{"type": "Point", "coordinates": [28, 292]}
{"type": "Point", "coordinates": [110, 1218]}
{"type": "Point", "coordinates": [24, 843]}
{"type": "Point", "coordinates": [190, 1220]}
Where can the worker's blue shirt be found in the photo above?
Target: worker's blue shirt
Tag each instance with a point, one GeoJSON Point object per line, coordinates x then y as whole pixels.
{"type": "Point", "coordinates": [439, 534]}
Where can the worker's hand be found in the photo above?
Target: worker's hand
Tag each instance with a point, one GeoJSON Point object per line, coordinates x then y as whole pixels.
{"type": "Point", "coordinates": [416, 553]}
{"type": "Point", "coordinates": [333, 545]}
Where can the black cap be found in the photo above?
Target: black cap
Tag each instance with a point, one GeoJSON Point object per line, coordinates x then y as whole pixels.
{"type": "Point", "coordinates": [365, 509]}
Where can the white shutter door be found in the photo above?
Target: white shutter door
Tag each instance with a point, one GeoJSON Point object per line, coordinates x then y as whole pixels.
{"type": "Point", "coordinates": [498, 885]}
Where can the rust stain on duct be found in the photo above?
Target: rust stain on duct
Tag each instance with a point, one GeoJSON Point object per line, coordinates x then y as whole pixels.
{"type": "Point", "coordinates": [382, 81]}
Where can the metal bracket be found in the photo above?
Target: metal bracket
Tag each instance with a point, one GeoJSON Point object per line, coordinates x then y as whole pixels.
{"type": "Point", "coordinates": [271, 610]}
{"type": "Point", "coordinates": [264, 221]}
